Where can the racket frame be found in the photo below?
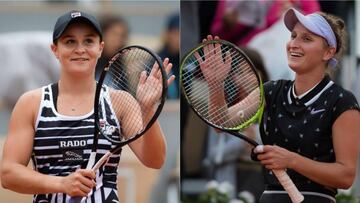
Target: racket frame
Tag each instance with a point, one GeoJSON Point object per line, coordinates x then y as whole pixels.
{"type": "Point", "coordinates": [257, 116]}
{"type": "Point", "coordinates": [92, 158]}
{"type": "Point", "coordinates": [99, 86]}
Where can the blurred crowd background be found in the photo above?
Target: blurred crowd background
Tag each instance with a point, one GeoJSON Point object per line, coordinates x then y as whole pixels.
{"type": "Point", "coordinates": [256, 26]}
{"type": "Point", "coordinates": [26, 62]}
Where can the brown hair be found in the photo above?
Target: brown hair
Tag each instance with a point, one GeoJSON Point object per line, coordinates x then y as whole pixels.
{"type": "Point", "coordinates": [338, 26]}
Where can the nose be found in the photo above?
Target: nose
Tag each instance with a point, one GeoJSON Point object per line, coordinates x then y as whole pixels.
{"type": "Point", "coordinates": [293, 43]}
{"type": "Point", "coordinates": [80, 48]}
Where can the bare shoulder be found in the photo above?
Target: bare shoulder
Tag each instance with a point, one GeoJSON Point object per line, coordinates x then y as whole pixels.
{"type": "Point", "coordinates": [31, 97]}
{"type": "Point", "coordinates": [29, 102]}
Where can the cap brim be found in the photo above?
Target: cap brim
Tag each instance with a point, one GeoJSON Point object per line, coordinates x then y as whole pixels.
{"type": "Point", "coordinates": [292, 16]}
{"type": "Point", "coordinates": [64, 26]}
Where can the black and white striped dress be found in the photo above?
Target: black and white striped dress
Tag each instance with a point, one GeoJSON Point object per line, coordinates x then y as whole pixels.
{"type": "Point", "coordinates": [62, 144]}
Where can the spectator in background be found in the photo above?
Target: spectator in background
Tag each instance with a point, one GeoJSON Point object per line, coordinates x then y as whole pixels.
{"type": "Point", "coordinates": [170, 49]}
{"type": "Point", "coordinates": [116, 34]}
{"type": "Point", "coordinates": [239, 21]}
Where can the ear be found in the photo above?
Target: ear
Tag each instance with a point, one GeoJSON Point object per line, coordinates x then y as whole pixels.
{"type": "Point", "coordinates": [54, 50]}
{"type": "Point", "coordinates": [101, 48]}
{"type": "Point", "coordinates": [329, 53]}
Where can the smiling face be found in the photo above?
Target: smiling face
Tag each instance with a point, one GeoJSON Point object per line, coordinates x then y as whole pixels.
{"type": "Point", "coordinates": [78, 49]}
{"type": "Point", "coordinates": [307, 51]}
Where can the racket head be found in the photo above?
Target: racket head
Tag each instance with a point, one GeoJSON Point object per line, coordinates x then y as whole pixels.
{"type": "Point", "coordinates": [241, 80]}
{"type": "Point", "coordinates": [119, 83]}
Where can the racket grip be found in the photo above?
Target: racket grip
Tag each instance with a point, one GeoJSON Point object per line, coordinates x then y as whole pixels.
{"type": "Point", "coordinates": [103, 159]}
{"type": "Point", "coordinates": [88, 166]}
{"type": "Point", "coordinates": [289, 186]}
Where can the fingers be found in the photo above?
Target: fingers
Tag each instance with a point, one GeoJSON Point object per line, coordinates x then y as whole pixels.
{"type": "Point", "coordinates": [142, 79]}
{"type": "Point", "coordinates": [87, 173]}
{"type": "Point", "coordinates": [198, 58]}
{"type": "Point", "coordinates": [274, 157]}
{"type": "Point", "coordinates": [86, 178]}
{"type": "Point", "coordinates": [79, 183]}
{"type": "Point", "coordinates": [217, 49]}
{"type": "Point", "coordinates": [210, 48]}
{"type": "Point", "coordinates": [170, 80]}
{"type": "Point", "coordinates": [154, 69]}
{"type": "Point", "coordinates": [259, 149]}
{"type": "Point", "coordinates": [228, 58]}
{"type": "Point", "coordinates": [168, 66]}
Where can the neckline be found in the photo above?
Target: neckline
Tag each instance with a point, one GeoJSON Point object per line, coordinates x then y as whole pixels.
{"type": "Point", "coordinates": [54, 91]}
{"type": "Point", "coordinates": [307, 98]}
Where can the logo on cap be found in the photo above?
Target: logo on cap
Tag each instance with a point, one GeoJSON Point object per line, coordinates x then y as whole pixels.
{"type": "Point", "coordinates": [75, 14]}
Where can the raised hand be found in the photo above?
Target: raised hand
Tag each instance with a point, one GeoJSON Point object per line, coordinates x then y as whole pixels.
{"type": "Point", "coordinates": [214, 67]}
{"type": "Point", "coordinates": [149, 89]}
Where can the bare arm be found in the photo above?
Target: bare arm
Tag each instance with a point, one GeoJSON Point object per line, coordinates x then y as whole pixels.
{"type": "Point", "coordinates": [18, 149]}
{"type": "Point", "coordinates": [341, 173]}
{"type": "Point", "coordinates": [150, 148]}
{"type": "Point", "coordinates": [15, 175]}
{"type": "Point", "coordinates": [215, 79]}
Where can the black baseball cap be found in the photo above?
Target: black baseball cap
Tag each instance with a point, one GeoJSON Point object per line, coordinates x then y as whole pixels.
{"type": "Point", "coordinates": [71, 16]}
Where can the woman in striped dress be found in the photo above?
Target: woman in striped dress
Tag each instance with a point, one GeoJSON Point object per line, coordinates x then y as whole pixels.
{"type": "Point", "coordinates": [54, 125]}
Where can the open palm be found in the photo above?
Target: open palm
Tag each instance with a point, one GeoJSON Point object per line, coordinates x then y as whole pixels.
{"type": "Point", "coordinates": [213, 65]}
{"type": "Point", "coordinates": [150, 87]}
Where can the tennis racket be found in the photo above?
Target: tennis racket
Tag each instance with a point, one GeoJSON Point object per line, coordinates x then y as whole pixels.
{"type": "Point", "coordinates": [222, 86]}
{"type": "Point", "coordinates": [134, 84]}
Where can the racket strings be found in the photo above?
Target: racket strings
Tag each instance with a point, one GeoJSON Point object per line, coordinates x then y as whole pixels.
{"type": "Point", "coordinates": [203, 89]}
{"type": "Point", "coordinates": [223, 50]}
{"type": "Point", "coordinates": [124, 75]}
{"type": "Point", "coordinates": [192, 63]}
{"type": "Point", "coordinates": [199, 75]}
{"type": "Point", "coordinates": [135, 72]}
{"type": "Point", "coordinates": [223, 118]}
{"type": "Point", "coordinates": [245, 77]}
{"type": "Point", "coordinates": [232, 90]}
{"type": "Point", "coordinates": [238, 59]}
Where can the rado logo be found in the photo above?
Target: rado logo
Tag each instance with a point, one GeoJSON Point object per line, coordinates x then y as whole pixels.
{"type": "Point", "coordinates": [72, 143]}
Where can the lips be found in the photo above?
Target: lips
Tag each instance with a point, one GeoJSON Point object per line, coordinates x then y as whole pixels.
{"type": "Point", "coordinates": [79, 59]}
{"type": "Point", "coordinates": [296, 54]}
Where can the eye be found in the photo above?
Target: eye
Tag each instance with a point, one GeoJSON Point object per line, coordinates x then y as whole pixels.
{"type": "Point", "coordinates": [293, 35]}
{"type": "Point", "coordinates": [70, 41]}
{"type": "Point", "coordinates": [307, 38]}
{"type": "Point", "coordinates": [89, 41]}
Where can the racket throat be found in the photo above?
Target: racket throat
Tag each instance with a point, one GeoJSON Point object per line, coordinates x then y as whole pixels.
{"type": "Point", "coordinates": [91, 161]}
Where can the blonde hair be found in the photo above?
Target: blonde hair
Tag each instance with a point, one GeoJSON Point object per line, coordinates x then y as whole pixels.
{"type": "Point", "coordinates": [338, 26]}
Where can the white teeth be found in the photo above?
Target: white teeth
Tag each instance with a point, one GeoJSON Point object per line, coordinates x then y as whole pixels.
{"type": "Point", "coordinates": [296, 54]}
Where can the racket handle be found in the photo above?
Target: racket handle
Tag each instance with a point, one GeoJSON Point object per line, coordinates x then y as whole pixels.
{"type": "Point", "coordinates": [289, 186]}
{"type": "Point", "coordinates": [102, 160]}
{"type": "Point", "coordinates": [89, 165]}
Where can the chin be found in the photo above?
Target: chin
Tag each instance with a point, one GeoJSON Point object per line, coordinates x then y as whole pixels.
{"type": "Point", "coordinates": [294, 67]}
{"type": "Point", "coordinates": [80, 70]}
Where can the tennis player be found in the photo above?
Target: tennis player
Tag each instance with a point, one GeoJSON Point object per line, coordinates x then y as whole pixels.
{"type": "Point", "coordinates": [311, 126]}
{"type": "Point", "coordinates": [52, 125]}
